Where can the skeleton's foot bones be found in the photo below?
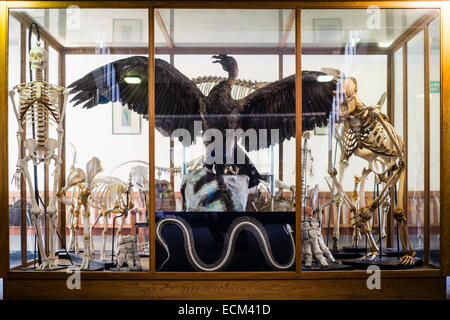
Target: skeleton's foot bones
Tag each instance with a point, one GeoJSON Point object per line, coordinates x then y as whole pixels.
{"type": "Point", "coordinates": [313, 244]}
{"type": "Point", "coordinates": [370, 256]}
{"type": "Point", "coordinates": [408, 259]}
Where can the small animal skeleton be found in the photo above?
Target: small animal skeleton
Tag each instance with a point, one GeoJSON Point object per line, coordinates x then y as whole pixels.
{"type": "Point", "coordinates": [368, 134]}
{"type": "Point", "coordinates": [109, 195]}
{"type": "Point", "coordinates": [262, 200]}
{"type": "Point", "coordinates": [313, 245]}
{"type": "Point", "coordinates": [75, 178]}
{"type": "Point", "coordinates": [85, 182]}
{"type": "Point", "coordinates": [127, 254]}
{"type": "Point", "coordinates": [104, 193]}
{"type": "Point", "coordinates": [39, 105]}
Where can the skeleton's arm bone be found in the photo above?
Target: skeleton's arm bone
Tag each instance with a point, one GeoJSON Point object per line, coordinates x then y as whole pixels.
{"type": "Point", "coordinates": [341, 191]}
{"type": "Point", "coordinates": [19, 131]}
{"type": "Point", "coordinates": [391, 136]}
{"type": "Point", "coordinates": [12, 93]}
{"type": "Point", "coordinates": [63, 110]}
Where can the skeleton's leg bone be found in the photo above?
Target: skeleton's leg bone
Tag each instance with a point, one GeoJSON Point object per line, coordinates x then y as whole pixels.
{"type": "Point", "coordinates": [325, 249]}
{"type": "Point", "coordinates": [91, 234]}
{"type": "Point", "coordinates": [105, 234]}
{"type": "Point", "coordinates": [35, 215]}
{"type": "Point", "coordinates": [53, 216]}
{"type": "Point", "coordinates": [307, 253]}
{"type": "Point", "coordinates": [362, 190]}
{"type": "Point", "coordinates": [119, 230]}
{"type": "Point", "coordinates": [86, 240]}
{"type": "Point", "coordinates": [77, 228]}
{"type": "Point", "coordinates": [356, 236]}
{"type": "Point", "coordinates": [341, 191]}
{"type": "Point", "coordinates": [373, 248]}
{"type": "Point", "coordinates": [337, 222]}
{"type": "Point", "coordinates": [401, 217]}
{"type": "Point", "coordinates": [338, 206]}
{"type": "Point", "coordinates": [318, 254]}
{"type": "Point", "coordinates": [384, 212]}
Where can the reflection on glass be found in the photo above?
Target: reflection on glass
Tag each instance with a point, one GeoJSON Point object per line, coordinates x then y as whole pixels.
{"type": "Point", "coordinates": [415, 132]}
{"type": "Point", "coordinates": [398, 91]}
{"type": "Point", "coordinates": [355, 46]}
{"type": "Point", "coordinates": [104, 183]}
{"type": "Point", "coordinates": [435, 129]}
{"type": "Point", "coordinates": [220, 121]}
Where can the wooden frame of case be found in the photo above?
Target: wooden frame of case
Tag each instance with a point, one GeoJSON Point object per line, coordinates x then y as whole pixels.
{"type": "Point", "coordinates": [429, 283]}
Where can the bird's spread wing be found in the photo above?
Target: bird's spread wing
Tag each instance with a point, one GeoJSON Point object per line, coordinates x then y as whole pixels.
{"type": "Point", "coordinates": [113, 82]}
{"type": "Point", "coordinates": [273, 107]}
{"type": "Point", "coordinates": [178, 100]}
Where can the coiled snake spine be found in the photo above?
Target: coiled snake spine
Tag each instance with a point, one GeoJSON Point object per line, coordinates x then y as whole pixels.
{"type": "Point", "coordinates": [237, 226]}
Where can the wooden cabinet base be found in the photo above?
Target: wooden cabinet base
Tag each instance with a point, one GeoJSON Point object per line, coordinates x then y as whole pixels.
{"type": "Point", "coordinates": [391, 288]}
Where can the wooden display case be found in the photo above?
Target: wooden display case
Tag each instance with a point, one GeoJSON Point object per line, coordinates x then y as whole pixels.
{"type": "Point", "coordinates": [427, 282]}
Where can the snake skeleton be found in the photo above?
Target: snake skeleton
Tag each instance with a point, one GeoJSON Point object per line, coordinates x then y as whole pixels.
{"type": "Point", "coordinates": [237, 226]}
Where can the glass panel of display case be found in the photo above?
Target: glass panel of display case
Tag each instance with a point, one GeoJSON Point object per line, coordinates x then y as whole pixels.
{"type": "Point", "coordinates": [398, 105]}
{"type": "Point", "coordinates": [361, 157]}
{"type": "Point", "coordinates": [398, 91]}
{"type": "Point", "coordinates": [99, 140]}
{"type": "Point", "coordinates": [221, 114]}
{"type": "Point", "coordinates": [435, 129]}
{"type": "Point", "coordinates": [15, 203]}
{"type": "Point", "coordinates": [415, 140]}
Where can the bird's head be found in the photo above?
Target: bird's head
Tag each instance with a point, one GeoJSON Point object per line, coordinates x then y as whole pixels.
{"type": "Point", "coordinates": [228, 63]}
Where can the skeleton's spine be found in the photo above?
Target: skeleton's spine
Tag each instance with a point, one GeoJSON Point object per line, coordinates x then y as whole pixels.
{"type": "Point", "coordinates": [41, 114]}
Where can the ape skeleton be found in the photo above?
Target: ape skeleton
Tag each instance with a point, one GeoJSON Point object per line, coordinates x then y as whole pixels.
{"type": "Point", "coordinates": [39, 105]}
{"type": "Point", "coordinates": [368, 134]}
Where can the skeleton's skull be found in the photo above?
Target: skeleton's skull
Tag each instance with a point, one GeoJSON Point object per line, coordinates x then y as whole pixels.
{"type": "Point", "coordinates": [38, 58]}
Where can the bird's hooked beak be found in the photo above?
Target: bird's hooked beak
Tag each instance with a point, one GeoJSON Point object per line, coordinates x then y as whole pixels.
{"type": "Point", "coordinates": [219, 58]}
{"type": "Point", "coordinates": [228, 64]}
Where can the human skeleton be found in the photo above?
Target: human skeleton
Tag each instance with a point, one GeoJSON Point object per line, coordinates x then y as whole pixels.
{"type": "Point", "coordinates": [368, 134]}
{"type": "Point", "coordinates": [39, 105]}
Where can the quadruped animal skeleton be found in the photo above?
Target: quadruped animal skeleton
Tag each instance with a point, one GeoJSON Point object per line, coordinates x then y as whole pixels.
{"type": "Point", "coordinates": [368, 134]}
{"type": "Point", "coordinates": [92, 191]}
{"type": "Point", "coordinates": [39, 105]}
{"type": "Point", "coordinates": [82, 183]}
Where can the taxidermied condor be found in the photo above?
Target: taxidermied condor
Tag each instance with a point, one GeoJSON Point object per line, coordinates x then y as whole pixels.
{"type": "Point", "coordinates": [178, 102]}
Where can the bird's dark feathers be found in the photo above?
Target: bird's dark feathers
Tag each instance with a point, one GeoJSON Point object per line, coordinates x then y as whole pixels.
{"type": "Point", "coordinates": [106, 84]}
{"type": "Point", "coordinates": [273, 107]}
{"type": "Point", "coordinates": [178, 101]}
